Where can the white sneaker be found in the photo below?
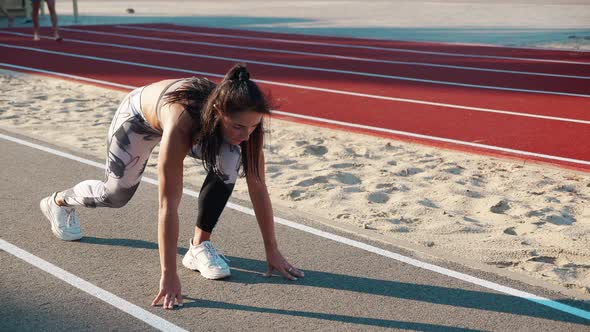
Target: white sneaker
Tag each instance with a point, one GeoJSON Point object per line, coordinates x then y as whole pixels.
{"type": "Point", "coordinates": [64, 221]}
{"type": "Point", "coordinates": [205, 259]}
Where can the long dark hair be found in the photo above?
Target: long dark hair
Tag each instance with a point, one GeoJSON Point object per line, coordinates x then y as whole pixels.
{"type": "Point", "coordinates": [192, 95]}
{"type": "Point", "coordinates": [235, 93]}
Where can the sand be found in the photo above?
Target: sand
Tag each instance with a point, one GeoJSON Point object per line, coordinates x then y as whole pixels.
{"type": "Point", "coordinates": [503, 215]}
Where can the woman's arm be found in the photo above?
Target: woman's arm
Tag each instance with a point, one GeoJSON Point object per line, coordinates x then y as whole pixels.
{"type": "Point", "coordinates": [264, 216]}
{"type": "Point", "coordinates": [173, 149]}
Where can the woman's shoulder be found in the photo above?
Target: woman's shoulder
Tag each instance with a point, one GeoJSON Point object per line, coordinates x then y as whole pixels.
{"type": "Point", "coordinates": [151, 95]}
{"type": "Point", "coordinates": [160, 85]}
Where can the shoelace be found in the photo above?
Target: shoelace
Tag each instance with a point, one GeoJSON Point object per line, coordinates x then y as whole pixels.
{"type": "Point", "coordinates": [214, 255]}
{"type": "Point", "coordinates": [71, 220]}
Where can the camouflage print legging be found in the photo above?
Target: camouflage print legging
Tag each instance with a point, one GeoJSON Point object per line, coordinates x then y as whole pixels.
{"type": "Point", "coordinates": [130, 142]}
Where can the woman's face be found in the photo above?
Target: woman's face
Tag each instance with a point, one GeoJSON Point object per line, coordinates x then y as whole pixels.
{"type": "Point", "coordinates": [236, 128]}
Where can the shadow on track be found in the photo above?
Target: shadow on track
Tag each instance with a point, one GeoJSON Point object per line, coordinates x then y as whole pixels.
{"type": "Point", "coordinates": [249, 271]}
{"type": "Point", "coordinates": [198, 303]}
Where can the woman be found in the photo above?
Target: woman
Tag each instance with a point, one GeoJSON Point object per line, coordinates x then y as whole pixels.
{"type": "Point", "coordinates": [221, 125]}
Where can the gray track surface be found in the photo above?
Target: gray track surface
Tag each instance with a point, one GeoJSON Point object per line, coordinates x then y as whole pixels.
{"type": "Point", "coordinates": [345, 288]}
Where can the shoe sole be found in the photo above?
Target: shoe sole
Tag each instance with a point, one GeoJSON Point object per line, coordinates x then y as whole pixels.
{"type": "Point", "coordinates": [44, 205]}
{"type": "Point", "coordinates": [188, 264]}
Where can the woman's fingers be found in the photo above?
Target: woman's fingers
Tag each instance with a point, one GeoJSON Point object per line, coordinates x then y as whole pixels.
{"type": "Point", "coordinates": [158, 297]}
{"type": "Point", "coordinates": [287, 271]}
{"type": "Point", "coordinates": [179, 299]}
{"type": "Point", "coordinates": [284, 270]}
{"type": "Point", "coordinates": [275, 261]}
{"type": "Point", "coordinates": [168, 302]}
{"type": "Point", "coordinates": [295, 272]}
{"type": "Point", "coordinates": [269, 269]}
{"type": "Point", "coordinates": [170, 291]}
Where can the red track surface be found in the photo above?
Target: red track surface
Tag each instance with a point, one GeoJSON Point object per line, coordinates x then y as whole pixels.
{"type": "Point", "coordinates": [362, 91]}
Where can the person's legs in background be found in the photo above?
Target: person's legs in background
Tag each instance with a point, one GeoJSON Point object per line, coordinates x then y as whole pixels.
{"type": "Point", "coordinates": [9, 17]}
{"type": "Point", "coordinates": [35, 16]}
{"type": "Point", "coordinates": [53, 13]}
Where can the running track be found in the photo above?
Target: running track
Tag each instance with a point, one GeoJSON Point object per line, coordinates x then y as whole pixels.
{"type": "Point", "coordinates": [528, 104]}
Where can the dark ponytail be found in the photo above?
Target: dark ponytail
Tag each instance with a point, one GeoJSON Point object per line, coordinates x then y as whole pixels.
{"type": "Point", "coordinates": [235, 93]}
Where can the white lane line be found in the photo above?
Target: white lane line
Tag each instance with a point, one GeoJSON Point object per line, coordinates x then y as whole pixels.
{"type": "Point", "coordinates": [390, 49]}
{"type": "Point", "coordinates": [101, 294]}
{"type": "Point", "coordinates": [305, 87]}
{"type": "Point", "coordinates": [345, 72]}
{"type": "Point", "coordinates": [349, 125]}
{"type": "Point", "coordinates": [324, 55]}
{"type": "Point", "coordinates": [74, 77]}
{"type": "Point", "coordinates": [436, 139]}
{"type": "Point", "coordinates": [357, 244]}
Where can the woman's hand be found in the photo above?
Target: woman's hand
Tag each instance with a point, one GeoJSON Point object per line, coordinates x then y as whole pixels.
{"type": "Point", "coordinates": [169, 290]}
{"type": "Point", "coordinates": [276, 261]}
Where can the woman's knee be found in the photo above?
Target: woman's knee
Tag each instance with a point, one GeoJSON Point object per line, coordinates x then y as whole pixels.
{"type": "Point", "coordinates": [229, 162]}
{"type": "Point", "coordinates": [117, 203]}
{"type": "Point", "coordinates": [119, 197]}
